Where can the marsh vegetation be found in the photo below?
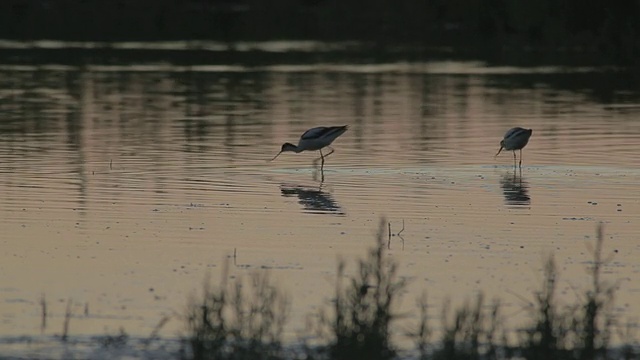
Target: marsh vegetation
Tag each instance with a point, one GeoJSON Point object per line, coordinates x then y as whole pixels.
{"type": "Point", "coordinates": [244, 320]}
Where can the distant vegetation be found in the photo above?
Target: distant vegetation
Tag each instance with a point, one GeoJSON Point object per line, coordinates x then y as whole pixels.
{"type": "Point", "coordinates": [603, 29]}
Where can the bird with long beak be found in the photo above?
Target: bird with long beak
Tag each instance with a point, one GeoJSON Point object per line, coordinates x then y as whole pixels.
{"type": "Point", "coordinates": [515, 139]}
{"type": "Point", "coordinates": [313, 139]}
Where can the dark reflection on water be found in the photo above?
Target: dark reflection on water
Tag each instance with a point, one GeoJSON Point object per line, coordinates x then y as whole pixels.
{"type": "Point", "coordinates": [515, 190]}
{"type": "Point", "coordinates": [39, 101]}
{"type": "Point", "coordinates": [117, 152]}
{"type": "Point", "coordinates": [603, 87]}
{"type": "Point", "coordinates": [428, 111]}
{"type": "Point", "coordinates": [313, 200]}
{"type": "Point", "coordinates": [202, 102]}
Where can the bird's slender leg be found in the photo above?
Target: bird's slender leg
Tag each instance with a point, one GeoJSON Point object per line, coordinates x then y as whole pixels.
{"type": "Point", "coordinates": [322, 157]}
{"type": "Point", "coordinates": [514, 158]}
{"type": "Point", "coordinates": [331, 152]}
{"type": "Point", "coordinates": [520, 158]}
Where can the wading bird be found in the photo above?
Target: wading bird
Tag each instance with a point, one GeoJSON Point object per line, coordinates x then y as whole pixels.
{"type": "Point", "coordinates": [315, 139]}
{"type": "Point", "coordinates": [515, 139]}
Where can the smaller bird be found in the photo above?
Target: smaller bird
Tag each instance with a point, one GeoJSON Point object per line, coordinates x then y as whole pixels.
{"type": "Point", "coordinates": [313, 139]}
{"type": "Point", "coordinates": [515, 139]}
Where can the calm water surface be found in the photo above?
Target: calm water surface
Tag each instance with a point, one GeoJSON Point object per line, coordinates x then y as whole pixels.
{"type": "Point", "coordinates": [121, 187]}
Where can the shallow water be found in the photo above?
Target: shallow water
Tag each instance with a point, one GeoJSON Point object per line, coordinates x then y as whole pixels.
{"type": "Point", "coordinates": [122, 186]}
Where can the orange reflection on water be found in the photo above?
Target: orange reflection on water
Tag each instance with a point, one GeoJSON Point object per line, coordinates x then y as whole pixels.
{"type": "Point", "coordinates": [122, 189]}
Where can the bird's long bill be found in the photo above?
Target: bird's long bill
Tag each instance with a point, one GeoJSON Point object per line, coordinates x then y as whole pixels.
{"type": "Point", "coordinates": [276, 156]}
{"type": "Point", "coordinates": [501, 147]}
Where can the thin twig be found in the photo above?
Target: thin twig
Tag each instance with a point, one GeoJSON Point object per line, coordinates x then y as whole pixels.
{"type": "Point", "coordinates": [67, 319]}
{"type": "Point", "coordinates": [400, 232]}
{"type": "Point", "coordinates": [156, 329]}
{"type": "Point", "coordinates": [43, 305]}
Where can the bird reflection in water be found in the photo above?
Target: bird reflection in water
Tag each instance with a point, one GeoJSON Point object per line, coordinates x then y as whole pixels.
{"type": "Point", "coordinates": [318, 170]}
{"type": "Point", "coordinates": [314, 200]}
{"type": "Point", "coordinates": [515, 190]}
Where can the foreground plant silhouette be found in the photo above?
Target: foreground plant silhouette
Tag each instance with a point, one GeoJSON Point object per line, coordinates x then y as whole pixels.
{"type": "Point", "coordinates": [581, 330]}
{"type": "Point", "coordinates": [364, 308]}
{"type": "Point", "coordinates": [240, 320]}
{"type": "Point", "coordinates": [244, 319]}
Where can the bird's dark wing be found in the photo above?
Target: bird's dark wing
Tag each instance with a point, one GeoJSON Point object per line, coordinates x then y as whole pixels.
{"type": "Point", "coordinates": [315, 133]}
{"type": "Point", "coordinates": [514, 132]}
{"type": "Point", "coordinates": [323, 131]}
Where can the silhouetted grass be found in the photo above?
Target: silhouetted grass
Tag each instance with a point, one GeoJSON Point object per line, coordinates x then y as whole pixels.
{"type": "Point", "coordinates": [422, 335]}
{"type": "Point", "coordinates": [581, 330]}
{"type": "Point", "coordinates": [472, 332]}
{"type": "Point", "coordinates": [549, 335]}
{"type": "Point", "coordinates": [67, 319]}
{"type": "Point", "coordinates": [244, 319]}
{"type": "Point", "coordinates": [363, 310]}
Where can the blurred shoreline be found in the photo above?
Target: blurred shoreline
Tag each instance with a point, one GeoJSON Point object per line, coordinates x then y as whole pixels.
{"type": "Point", "coordinates": [525, 31]}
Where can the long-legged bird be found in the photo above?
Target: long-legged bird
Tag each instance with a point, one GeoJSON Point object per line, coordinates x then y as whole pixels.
{"type": "Point", "coordinates": [515, 139]}
{"type": "Point", "coordinates": [313, 139]}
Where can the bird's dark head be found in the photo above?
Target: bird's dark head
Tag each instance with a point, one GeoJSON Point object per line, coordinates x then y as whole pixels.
{"type": "Point", "coordinates": [288, 147]}
{"type": "Point", "coordinates": [285, 147]}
